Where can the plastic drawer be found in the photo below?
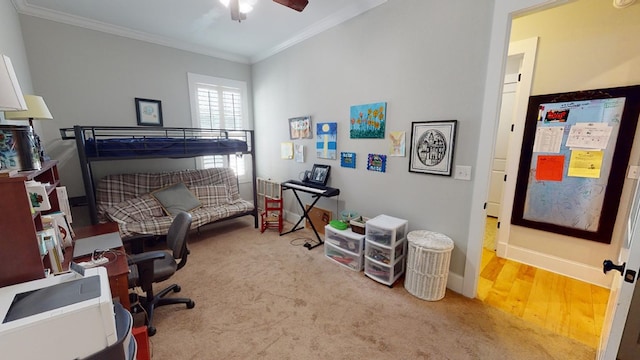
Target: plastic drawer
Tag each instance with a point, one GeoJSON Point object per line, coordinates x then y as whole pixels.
{"type": "Point", "coordinates": [343, 257]}
{"type": "Point", "coordinates": [383, 273]}
{"type": "Point", "coordinates": [385, 229]}
{"type": "Point", "coordinates": [344, 239]}
{"type": "Point", "coordinates": [385, 254]}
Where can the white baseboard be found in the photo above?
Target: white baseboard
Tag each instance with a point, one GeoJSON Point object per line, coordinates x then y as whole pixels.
{"type": "Point", "coordinates": [454, 282]}
{"type": "Point", "coordinates": [590, 274]}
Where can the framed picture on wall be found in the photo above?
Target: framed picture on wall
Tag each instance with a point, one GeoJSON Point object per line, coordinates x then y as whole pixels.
{"type": "Point", "coordinates": [432, 144]}
{"type": "Point", "coordinates": [148, 112]}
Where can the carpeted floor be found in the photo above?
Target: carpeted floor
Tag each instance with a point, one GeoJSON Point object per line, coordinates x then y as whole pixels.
{"type": "Point", "coordinates": [264, 296]}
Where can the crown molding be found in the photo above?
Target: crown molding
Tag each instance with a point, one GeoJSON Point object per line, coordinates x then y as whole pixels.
{"type": "Point", "coordinates": [319, 27]}
{"type": "Point", "coordinates": [27, 9]}
{"type": "Point", "coordinates": [346, 14]}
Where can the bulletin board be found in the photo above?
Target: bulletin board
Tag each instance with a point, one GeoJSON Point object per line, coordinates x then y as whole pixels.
{"type": "Point", "coordinates": [573, 162]}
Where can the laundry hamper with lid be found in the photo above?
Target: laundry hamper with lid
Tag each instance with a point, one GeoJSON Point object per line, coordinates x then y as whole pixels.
{"type": "Point", "coordinates": [428, 261]}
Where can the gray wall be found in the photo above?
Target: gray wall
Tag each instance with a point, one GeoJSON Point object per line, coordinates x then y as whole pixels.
{"type": "Point", "coordinates": [91, 78]}
{"type": "Point", "coordinates": [12, 45]}
{"type": "Point", "coordinates": [427, 60]}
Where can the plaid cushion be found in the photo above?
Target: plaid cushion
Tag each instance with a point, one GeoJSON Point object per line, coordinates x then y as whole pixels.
{"type": "Point", "coordinates": [201, 216]}
{"type": "Point", "coordinates": [212, 195]}
{"type": "Point", "coordinates": [116, 188]}
{"type": "Point", "coordinates": [136, 209]}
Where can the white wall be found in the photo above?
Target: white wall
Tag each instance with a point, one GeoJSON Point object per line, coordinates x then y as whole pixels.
{"type": "Point", "coordinates": [12, 45]}
{"type": "Point", "coordinates": [427, 60]}
{"type": "Point", "coordinates": [91, 78]}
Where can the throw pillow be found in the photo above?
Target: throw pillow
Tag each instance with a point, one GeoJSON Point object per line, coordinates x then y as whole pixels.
{"type": "Point", "coordinates": [143, 207]}
{"type": "Point", "coordinates": [176, 198]}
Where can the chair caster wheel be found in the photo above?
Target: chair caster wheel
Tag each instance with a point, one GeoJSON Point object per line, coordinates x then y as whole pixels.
{"type": "Point", "coordinates": [177, 289]}
{"type": "Point", "coordinates": [191, 304]}
{"type": "Point", "coordinates": [151, 330]}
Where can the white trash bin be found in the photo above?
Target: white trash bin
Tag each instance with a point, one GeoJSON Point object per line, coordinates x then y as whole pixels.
{"type": "Point", "coordinates": [428, 261]}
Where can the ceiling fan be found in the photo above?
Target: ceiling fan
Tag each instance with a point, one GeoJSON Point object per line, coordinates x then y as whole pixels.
{"type": "Point", "coordinates": [297, 5]}
{"type": "Point", "coordinates": [240, 9]}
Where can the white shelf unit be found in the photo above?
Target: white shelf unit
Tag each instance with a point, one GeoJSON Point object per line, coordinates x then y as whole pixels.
{"type": "Point", "coordinates": [344, 247]}
{"type": "Point", "coordinates": [385, 248]}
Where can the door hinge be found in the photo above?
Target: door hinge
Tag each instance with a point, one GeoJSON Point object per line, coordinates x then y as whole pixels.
{"type": "Point", "coordinates": [505, 177]}
{"type": "Point", "coordinates": [498, 225]}
{"type": "Point", "coordinates": [519, 77]}
{"type": "Point", "coordinates": [512, 127]}
{"type": "Point", "coordinates": [485, 206]}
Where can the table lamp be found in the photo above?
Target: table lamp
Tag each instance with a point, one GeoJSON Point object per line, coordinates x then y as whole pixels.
{"type": "Point", "coordinates": [36, 110]}
{"type": "Point", "coordinates": [10, 93]}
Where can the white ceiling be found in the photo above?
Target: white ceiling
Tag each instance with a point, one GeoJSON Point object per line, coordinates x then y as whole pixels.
{"type": "Point", "coordinates": [202, 26]}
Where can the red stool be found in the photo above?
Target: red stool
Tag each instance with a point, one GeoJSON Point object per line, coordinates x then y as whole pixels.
{"type": "Point", "coordinates": [271, 217]}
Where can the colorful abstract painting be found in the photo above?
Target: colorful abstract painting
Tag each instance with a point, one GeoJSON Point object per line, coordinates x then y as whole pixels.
{"type": "Point", "coordinates": [327, 134]}
{"type": "Point", "coordinates": [368, 121]}
{"type": "Point", "coordinates": [377, 162]}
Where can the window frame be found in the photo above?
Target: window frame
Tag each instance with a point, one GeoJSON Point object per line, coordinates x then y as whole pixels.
{"type": "Point", "coordinates": [193, 81]}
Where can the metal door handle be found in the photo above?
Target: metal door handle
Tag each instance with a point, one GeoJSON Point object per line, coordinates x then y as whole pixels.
{"type": "Point", "coordinates": [608, 265]}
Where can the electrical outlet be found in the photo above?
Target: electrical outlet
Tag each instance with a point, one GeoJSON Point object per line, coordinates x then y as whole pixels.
{"type": "Point", "coordinates": [463, 172]}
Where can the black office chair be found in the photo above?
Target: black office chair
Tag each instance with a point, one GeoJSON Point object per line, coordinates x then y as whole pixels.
{"type": "Point", "coordinates": [151, 267]}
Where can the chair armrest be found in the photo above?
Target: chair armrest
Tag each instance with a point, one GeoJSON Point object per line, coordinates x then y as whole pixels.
{"type": "Point", "coordinates": [146, 257]}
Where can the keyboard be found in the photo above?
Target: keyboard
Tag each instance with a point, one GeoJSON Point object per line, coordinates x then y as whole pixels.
{"type": "Point", "coordinates": [311, 188]}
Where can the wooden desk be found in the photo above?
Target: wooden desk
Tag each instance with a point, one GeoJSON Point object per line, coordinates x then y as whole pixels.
{"type": "Point", "coordinates": [118, 269]}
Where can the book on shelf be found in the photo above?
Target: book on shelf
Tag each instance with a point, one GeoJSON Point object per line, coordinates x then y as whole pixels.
{"type": "Point", "coordinates": [8, 172]}
{"type": "Point", "coordinates": [58, 221]}
{"type": "Point", "coordinates": [38, 195]}
{"type": "Point", "coordinates": [51, 243]}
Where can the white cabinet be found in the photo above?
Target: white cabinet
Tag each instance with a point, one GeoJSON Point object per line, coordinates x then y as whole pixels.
{"type": "Point", "coordinates": [385, 248]}
{"type": "Point", "coordinates": [344, 247]}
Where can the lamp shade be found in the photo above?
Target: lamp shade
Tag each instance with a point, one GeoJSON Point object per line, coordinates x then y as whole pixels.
{"type": "Point", "coordinates": [10, 93]}
{"type": "Point", "coordinates": [36, 109]}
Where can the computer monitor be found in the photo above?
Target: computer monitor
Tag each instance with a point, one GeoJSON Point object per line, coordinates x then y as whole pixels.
{"type": "Point", "coordinates": [319, 174]}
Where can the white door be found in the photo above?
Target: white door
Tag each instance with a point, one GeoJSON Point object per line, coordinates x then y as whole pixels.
{"type": "Point", "coordinates": [509, 93]}
{"type": "Point", "coordinates": [524, 51]}
{"type": "Point", "coordinates": [622, 290]}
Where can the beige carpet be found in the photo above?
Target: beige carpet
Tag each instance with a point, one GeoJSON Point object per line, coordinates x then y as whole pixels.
{"type": "Point", "coordinates": [263, 296]}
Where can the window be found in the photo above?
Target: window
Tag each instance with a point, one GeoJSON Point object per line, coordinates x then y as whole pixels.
{"type": "Point", "coordinates": [218, 103]}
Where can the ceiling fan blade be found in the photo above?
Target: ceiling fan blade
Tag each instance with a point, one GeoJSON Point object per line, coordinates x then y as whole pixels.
{"type": "Point", "coordinates": [297, 5]}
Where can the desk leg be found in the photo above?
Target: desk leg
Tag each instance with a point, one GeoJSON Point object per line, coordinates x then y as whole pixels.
{"type": "Point", "coordinates": [305, 215]}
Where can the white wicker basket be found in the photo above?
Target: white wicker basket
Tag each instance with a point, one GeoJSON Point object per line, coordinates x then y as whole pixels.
{"type": "Point", "coordinates": [427, 264]}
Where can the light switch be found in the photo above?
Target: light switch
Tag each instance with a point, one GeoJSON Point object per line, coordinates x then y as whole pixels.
{"type": "Point", "coordinates": [463, 172]}
{"type": "Point", "coordinates": [634, 172]}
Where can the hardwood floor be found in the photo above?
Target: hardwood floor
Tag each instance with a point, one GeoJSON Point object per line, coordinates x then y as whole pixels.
{"type": "Point", "coordinates": [566, 306]}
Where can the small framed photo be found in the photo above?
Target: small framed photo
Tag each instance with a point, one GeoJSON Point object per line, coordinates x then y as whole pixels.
{"type": "Point", "coordinates": [300, 128]}
{"type": "Point", "coordinates": [148, 112]}
{"type": "Point", "coordinates": [432, 144]}
{"type": "Point", "coordinates": [320, 174]}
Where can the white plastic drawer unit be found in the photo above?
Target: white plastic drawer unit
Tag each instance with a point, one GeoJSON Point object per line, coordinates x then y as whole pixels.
{"type": "Point", "coordinates": [343, 257]}
{"type": "Point", "coordinates": [383, 273]}
{"type": "Point", "coordinates": [385, 229]}
{"type": "Point", "coordinates": [344, 239]}
{"type": "Point", "coordinates": [385, 254]}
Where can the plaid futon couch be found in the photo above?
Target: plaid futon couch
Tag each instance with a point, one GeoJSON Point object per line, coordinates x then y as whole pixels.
{"type": "Point", "coordinates": [128, 200]}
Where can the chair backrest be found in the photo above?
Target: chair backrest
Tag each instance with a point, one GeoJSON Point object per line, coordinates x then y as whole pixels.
{"type": "Point", "coordinates": [177, 237]}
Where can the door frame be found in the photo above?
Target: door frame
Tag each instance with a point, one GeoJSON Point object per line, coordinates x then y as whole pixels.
{"type": "Point", "coordinates": [527, 48]}
{"type": "Point", "coordinates": [503, 13]}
